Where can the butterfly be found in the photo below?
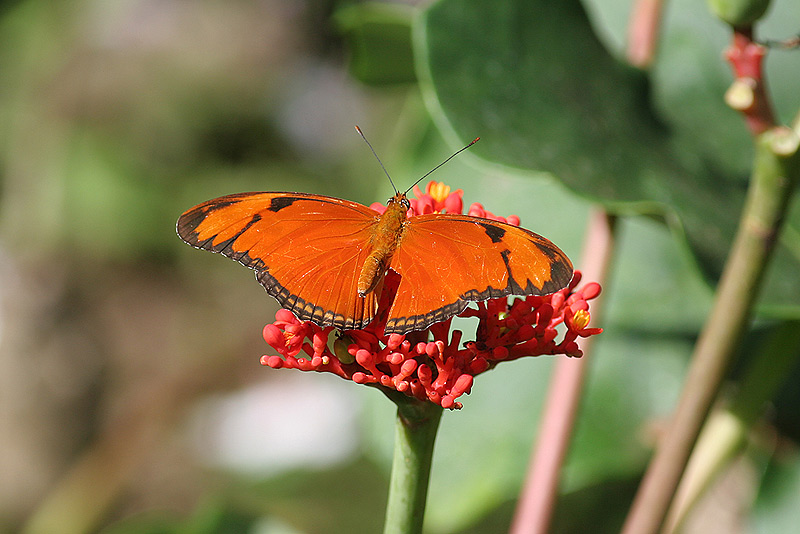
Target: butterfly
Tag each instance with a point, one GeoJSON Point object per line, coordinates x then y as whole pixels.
{"type": "Point", "coordinates": [325, 258]}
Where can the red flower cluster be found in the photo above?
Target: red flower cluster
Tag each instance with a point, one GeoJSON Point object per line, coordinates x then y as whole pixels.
{"type": "Point", "coordinates": [443, 369]}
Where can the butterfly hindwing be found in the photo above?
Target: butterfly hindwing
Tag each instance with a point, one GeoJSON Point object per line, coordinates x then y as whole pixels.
{"type": "Point", "coordinates": [446, 260]}
{"type": "Point", "coordinates": [298, 244]}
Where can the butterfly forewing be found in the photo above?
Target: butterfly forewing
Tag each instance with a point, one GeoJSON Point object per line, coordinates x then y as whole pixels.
{"type": "Point", "coordinates": [307, 250]}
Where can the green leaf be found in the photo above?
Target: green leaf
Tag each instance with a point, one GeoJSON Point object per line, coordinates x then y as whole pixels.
{"type": "Point", "coordinates": [534, 81]}
{"type": "Point", "coordinates": [776, 507]}
{"type": "Point", "coordinates": [379, 39]}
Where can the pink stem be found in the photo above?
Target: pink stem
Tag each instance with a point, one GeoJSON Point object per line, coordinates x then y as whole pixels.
{"type": "Point", "coordinates": [537, 500]}
{"type": "Point", "coordinates": [643, 29]}
{"type": "Point", "coordinates": [746, 58]}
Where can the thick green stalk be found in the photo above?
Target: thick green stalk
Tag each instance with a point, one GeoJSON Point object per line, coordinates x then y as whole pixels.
{"type": "Point", "coordinates": [775, 173]}
{"type": "Point", "coordinates": [415, 433]}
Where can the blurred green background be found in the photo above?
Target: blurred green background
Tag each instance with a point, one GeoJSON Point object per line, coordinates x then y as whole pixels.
{"type": "Point", "coordinates": [131, 395]}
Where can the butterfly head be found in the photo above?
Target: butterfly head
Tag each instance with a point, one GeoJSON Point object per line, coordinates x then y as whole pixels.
{"type": "Point", "coordinates": [399, 199]}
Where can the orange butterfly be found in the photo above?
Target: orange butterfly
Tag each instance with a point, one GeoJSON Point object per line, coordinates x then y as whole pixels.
{"type": "Point", "coordinates": [324, 258]}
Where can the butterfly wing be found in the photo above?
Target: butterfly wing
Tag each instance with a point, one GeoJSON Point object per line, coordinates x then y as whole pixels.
{"type": "Point", "coordinates": [446, 260]}
{"type": "Point", "coordinates": [307, 250]}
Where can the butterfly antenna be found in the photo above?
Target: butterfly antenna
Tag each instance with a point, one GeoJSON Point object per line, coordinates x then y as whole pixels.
{"type": "Point", "coordinates": [376, 157]}
{"type": "Point", "coordinates": [456, 153]}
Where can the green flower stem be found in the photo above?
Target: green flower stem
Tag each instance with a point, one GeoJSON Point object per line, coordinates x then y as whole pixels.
{"type": "Point", "coordinates": [415, 433]}
{"type": "Point", "coordinates": [775, 174]}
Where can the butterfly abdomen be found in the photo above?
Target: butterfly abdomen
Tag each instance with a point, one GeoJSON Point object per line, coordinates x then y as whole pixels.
{"type": "Point", "coordinates": [385, 240]}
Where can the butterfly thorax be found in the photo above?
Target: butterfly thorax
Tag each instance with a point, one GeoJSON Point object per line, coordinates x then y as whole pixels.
{"type": "Point", "coordinates": [384, 242]}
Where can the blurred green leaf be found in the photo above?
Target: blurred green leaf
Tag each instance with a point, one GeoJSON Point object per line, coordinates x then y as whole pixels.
{"type": "Point", "coordinates": [345, 498]}
{"type": "Point", "coordinates": [111, 208]}
{"type": "Point", "coordinates": [216, 517]}
{"type": "Point", "coordinates": [379, 39]}
{"type": "Point", "coordinates": [786, 404]}
{"type": "Point", "coordinates": [342, 499]}
{"type": "Point", "coordinates": [150, 523]}
{"type": "Point", "coordinates": [776, 509]}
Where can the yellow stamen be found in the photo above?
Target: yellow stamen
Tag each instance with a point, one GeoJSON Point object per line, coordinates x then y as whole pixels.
{"type": "Point", "coordinates": [581, 319]}
{"type": "Point", "coordinates": [438, 190]}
